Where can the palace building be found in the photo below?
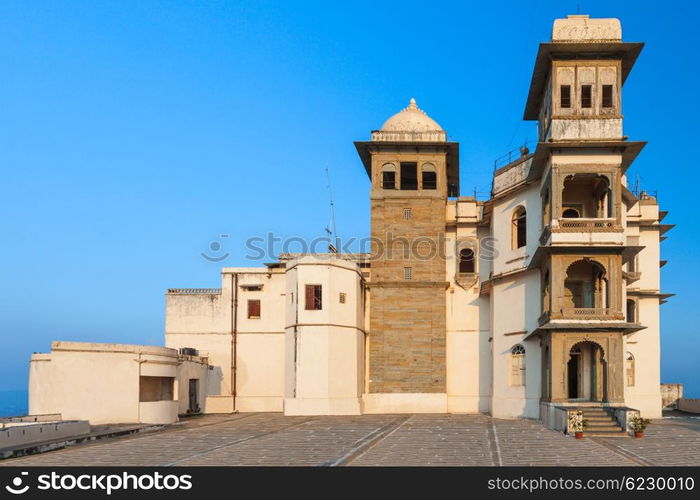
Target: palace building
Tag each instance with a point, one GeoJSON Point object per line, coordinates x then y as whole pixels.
{"type": "Point", "coordinates": [542, 299]}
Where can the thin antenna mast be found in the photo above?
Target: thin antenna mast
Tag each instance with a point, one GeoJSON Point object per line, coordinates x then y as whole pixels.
{"type": "Point", "coordinates": [333, 247]}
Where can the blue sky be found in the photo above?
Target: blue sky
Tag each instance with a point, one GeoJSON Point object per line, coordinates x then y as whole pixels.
{"type": "Point", "coordinates": [132, 134]}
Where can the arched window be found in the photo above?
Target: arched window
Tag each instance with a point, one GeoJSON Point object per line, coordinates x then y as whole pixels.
{"type": "Point", "coordinates": [629, 369]}
{"type": "Point", "coordinates": [519, 229]}
{"type": "Point", "coordinates": [388, 176]}
{"type": "Point", "coordinates": [571, 213]}
{"type": "Point", "coordinates": [466, 261]}
{"type": "Point", "coordinates": [517, 365]}
{"type": "Point", "coordinates": [586, 285]}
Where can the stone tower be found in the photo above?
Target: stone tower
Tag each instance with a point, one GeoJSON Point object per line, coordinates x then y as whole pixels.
{"type": "Point", "coordinates": [413, 170]}
{"type": "Point", "coordinates": [584, 252]}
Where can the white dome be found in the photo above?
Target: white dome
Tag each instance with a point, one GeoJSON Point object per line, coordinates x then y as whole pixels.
{"type": "Point", "coordinates": [411, 119]}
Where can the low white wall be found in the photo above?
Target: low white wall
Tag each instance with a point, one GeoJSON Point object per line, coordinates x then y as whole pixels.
{"type": "Point", "coordinates": [158, 412]}
{"type": "Point", "coordinates": [13, 435]}
{"type": "Point", "coordinates": [100, 382]}
{"type": "Point", "coordinates": [689, 405]}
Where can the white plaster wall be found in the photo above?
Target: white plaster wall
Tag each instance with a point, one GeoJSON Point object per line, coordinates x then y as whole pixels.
{"type": "Point", "coordinates": [217, 348]}
{"type": "Point", "coordinates": [468, 381]}
{"type": "Point", "coordinates": [260, 372]}
{"type": "Point", "coordinates": [507, 258]}
{"type": "Point", "coordinates": [324, 348]}
{"type": "Point", "coordinates": [645, 396]}
{"type": "Point", "coordinates": [96, 382]}
{"type": "Point", "coordinates": [186, 370]}
{"type": "Point", "coordinates": [516, 304]}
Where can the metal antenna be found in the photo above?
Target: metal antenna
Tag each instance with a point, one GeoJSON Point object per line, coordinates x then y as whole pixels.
{"type": "Point", "coordinates": [332, 247]}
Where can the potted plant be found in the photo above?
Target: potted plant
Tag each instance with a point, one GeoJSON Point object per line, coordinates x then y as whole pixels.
{"type": "Point", "coordinates": [578, 423]}
{"type": "Point", "coordinates": [638, 425]}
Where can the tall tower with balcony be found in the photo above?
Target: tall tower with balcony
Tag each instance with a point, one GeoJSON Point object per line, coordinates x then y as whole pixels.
{"type": "Point", "coordinates": [582, 154]}
{"type": "Point", "coordinates": [413, 170]}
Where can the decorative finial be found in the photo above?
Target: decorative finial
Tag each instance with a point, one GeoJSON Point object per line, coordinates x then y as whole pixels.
{"type": "Point", "coordinates": [412, 103]}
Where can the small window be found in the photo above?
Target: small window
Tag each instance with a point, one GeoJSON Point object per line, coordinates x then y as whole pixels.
{"type": "Point", "coordinates": [586, 96]}
{"type": "Point", "coordinates": [570, 213]}
{"type": "Point", "coordinates": [342, 298]}
{"type": "Point", "coordinates": [408, 273]}
{"type": "Point", "coordinates": [313, 297]}
{"type": "Point", "coordinates": [517, 365]}
{"type": "Point", "coordinates": [631, 311]}
{"type": "Point", "coordinates": [466, 261]}
{"type": "Point", "coordinates": [429, 180]}
{"type": "Point", "coordinates": [388, 180]}
{"type": "Point", "coordinates": [253, 309]}
{"type": "Point", "coordinates": [565, 96]}
{"type": "Point", "coordinates": [607, 96]}
{"type": "Point", "coordinates": [409, 176]}
{"type": "Point", "coordinates": [407, 213]}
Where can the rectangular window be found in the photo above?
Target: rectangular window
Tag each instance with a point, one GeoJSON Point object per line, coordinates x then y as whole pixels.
{"type": "Point", "coordinates": [565, 96]}
{"type": "Point", "coordinates": [607, 96]}
{"type": "Point", "coordinates": [389, 180]}
{"type": "Point", "coordinates": [586, 96]}
{"type": "Point", "coordinates": [342, 297]}
{"type": "Point", "coordinates": [409, 176]}
{"type": "Point", "coordinates": [429, 180]}
{"type": "Point", "coordinates": [408, 273]}
{"type": "Point", "coordinates": [313, 297]}
{"type": "Point", "coordinates": [253, 309]}
{"type": "Point", "coordinates": [407, 213]}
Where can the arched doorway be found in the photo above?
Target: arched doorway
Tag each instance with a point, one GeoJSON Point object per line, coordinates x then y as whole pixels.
{"type": "Point", "coordinates": [586, 372]}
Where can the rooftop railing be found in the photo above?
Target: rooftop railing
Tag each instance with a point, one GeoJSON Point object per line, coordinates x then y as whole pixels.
{"type": "Point", "coordinates": [194, 291]}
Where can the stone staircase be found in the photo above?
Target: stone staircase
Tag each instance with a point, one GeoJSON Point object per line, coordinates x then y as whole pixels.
{"type": "Point", "coordinates": [601, 422]}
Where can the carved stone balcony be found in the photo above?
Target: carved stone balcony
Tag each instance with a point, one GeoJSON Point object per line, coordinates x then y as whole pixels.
{"type": "Point", "coordinates": [583, 231]}
{"type": "Point", "coordinates": [579, 224]}
{"type": "Point", "coordinates": [582, 313]}
{"type": "Point", "coordinates": [588, 312]}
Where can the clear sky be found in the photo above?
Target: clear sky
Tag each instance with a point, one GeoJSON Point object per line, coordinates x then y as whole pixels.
{"type": "Point", "coordinates": [133, 134]}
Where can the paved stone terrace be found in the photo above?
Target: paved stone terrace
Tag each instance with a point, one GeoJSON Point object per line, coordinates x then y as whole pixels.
{"type": "Point", "coordinates": [421, 440]}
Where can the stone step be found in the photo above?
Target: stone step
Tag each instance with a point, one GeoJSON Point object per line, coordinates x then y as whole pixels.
{"type": "Point", "coordinates": [599, 418]}
{"type": "Point", "coordinates": [606, 434]}
{"type": "Point", "coordinates": [601, 428]}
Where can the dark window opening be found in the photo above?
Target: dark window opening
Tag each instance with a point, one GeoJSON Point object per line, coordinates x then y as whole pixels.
{"type": "Point", "coordinates": [520, 228]}
{"type": "Point", "coordinates": [253, 309]}
{"type": "Point", "coordinates": [389, 180]}
{"type": "Point", "coordinates": [466, 260]}
{"type": "Point", "coordinates": [586, 96]}
{"type": "Point", "coordinates": [570, 213]}
{"type": "Point", "coordinates": [565, 96]}
{"type": "Point", "coordinates": [313, 297]}
{"type": "Point", "coordinates": [429, 180]}
{"type": "Point", "coordinates": [409, 176]}
{"type": "Point", "coordinates": [156, 388]}
{"type": "Point", "coordinates": [607, 96]}
{"type": "Point", "coordinates": [631, 312]}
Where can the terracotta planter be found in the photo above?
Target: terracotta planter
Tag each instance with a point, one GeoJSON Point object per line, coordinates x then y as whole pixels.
{"type": "Point", "coordinates": [638, 434]}
{"type": "Point", "coordinates": [579, 434]}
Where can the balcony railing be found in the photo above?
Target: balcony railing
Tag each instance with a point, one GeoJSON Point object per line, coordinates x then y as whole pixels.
{"type": "Point", "coordinates": [587, 312]}
{"type": "Point", "coordinates": [194, 291]}
{"type": "Point", "coordinates": [575, 225]}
